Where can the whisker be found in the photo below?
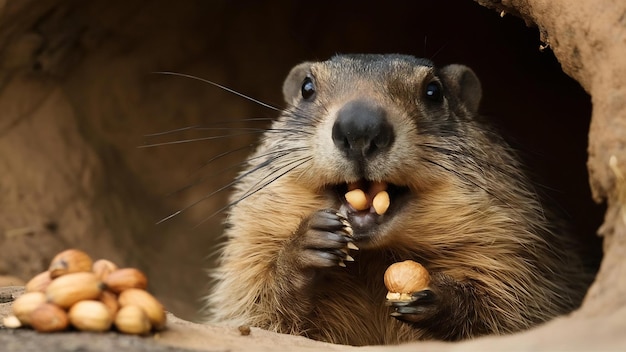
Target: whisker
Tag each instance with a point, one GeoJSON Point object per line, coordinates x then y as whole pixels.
{"type": "Point", "coordinates": [457, 173]}
{"type": "Point", "coordinates": [156, 134]}
{"type": "Point", "coordinates": [168, 217]}
{"type": "Point", "coordinates": [274, 172]}
{"type": "Point", "coordinates": [469, 180]}
{"type": "Point", "coordinates": [182, 141]}
{"type": "Point", "coordinates": [269, 129]}
{"type": "Point", "coordinates": [251, 119]}
{"type": "Point", "coordinates": [432, 57]}
{"type": "Point", "coordinates": [200, 127]}
{"type": "Point", "coordinates": [249, 131]}
{"type": "Point", "coordinates": [228, 185]}
{"type": "Point", "coordinates": [297, 114]}
{"type": "Point", "coordinates": [233, 203]}
{"type": "Point", "coordinates": [281, 151]}
{"type": "Point", "coordinates": [213, 175]}
{"type": "Point", "coordinates": [221, 155]}
{"type": "Point", "coordinates": [219, 86]}
{"type": "Point", "coordinates": [187, 207]}
{"type": "Point", "coordinates": [456, 153]}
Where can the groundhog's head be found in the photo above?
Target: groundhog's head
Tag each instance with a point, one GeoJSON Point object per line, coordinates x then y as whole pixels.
{"type": "Point", "coordinates": [376, 123]}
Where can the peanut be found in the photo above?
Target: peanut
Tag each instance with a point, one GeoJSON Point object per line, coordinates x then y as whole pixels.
{"type": "Point", "coordinates": [48, 318]}
{"type": "Point", "coordinates": [357, 199]}
{"type": "Point", "coordinates": [381, 202]}
{"type": "Point", "coordinates": [11, 322]}
{"type": "Point", "coordinates": [110, 301]}
{"type": "Point", "coordinates": [123, 279]}
{"type": "Point", "coordinates": [103, 267]}
{"type": "Point", "coordinates": [90, 316]}
{"type": "Point", "coordinates": [144, 300]}
{"type": "Point", "coordinates": [69, 261]}
{"type": "Point", "coordinates": [39, 282]}
{"type": "Point", "coordinates": [404, 278]}
{"type": "Point", "coordinates": [68, 289]}
{"type": "Point", "coordinates": [25, 304]}
{"type": "Point", "coordinates": [132, 320]}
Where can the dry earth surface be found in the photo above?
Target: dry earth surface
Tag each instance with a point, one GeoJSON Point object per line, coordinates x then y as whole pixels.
{"type": "Point", "coordinates": [603, 333]}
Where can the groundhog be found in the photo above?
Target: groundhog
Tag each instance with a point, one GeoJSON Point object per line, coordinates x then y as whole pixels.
{"type": "Point", "coordinates": [300, 259]}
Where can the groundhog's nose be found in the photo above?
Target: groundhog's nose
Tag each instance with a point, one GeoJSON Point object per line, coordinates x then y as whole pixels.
{"type": "Point", "coordinates": [361, 130]}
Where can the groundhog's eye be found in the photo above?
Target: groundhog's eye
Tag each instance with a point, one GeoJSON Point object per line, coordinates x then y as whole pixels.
{"type": "Point", "coordinates": [308, 88]}
{"type": "Point", "coordinates": [433, 91]}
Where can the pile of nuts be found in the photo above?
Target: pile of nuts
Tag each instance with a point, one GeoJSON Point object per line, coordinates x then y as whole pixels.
{"type": "Point", "coordinates": [90, 296]}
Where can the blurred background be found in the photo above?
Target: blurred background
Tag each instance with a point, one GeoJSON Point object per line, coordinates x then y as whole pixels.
{"type": "Point", "coordinates": [80, 104]}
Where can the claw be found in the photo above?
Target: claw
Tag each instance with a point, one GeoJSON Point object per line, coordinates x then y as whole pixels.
{"type": "Point", "coordinates": [342, 264]}
{"type": "Point", "coordinates": [423, 296]}
{"type": "Point", "coordinates": [349, 258]}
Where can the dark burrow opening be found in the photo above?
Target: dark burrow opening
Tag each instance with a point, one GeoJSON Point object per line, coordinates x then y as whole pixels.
{"type": "Point", "coordinates": [103, 54]}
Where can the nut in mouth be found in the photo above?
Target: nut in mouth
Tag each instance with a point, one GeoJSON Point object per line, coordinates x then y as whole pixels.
{"type": "Point", "coordinates": [369, 204]}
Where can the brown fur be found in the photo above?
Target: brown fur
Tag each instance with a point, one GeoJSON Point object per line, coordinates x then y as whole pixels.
{"type": "Point", "coordinates": [471, 217]}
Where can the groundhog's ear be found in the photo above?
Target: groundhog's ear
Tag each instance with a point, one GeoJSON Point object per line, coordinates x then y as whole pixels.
{"type": "Point", "coordinates": [293, 83]}
{"type": "Point", "coordinates": [464, 84]}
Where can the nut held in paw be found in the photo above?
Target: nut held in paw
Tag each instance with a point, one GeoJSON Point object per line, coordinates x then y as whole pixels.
{"type": "Point", "coordinates": [404, 278]}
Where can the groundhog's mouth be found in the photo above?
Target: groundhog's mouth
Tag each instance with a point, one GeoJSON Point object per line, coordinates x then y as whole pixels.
{"type": "Point", "coordinates": [368, 204]}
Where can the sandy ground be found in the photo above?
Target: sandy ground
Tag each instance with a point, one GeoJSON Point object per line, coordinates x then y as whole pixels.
{"type": "Point", "coordinates": [603, 333]}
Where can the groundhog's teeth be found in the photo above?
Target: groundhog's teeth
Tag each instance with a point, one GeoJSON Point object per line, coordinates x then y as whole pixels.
{"type": "Point", "coordinates": [381, 202]}
{"type": "Point", "coordinates": [357, 199]}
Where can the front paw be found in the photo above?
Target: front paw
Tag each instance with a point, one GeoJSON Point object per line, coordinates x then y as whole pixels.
{"type": "Point", "coordinates": [419, 307]}
{"type": "Point", "coordinates": [323, 240]}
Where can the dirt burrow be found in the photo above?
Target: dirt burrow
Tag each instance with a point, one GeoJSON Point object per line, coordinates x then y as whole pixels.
{"type": "Point", "coordinates": [77, 95]}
